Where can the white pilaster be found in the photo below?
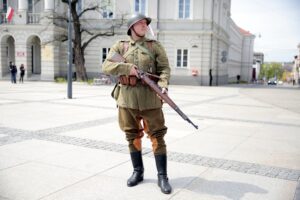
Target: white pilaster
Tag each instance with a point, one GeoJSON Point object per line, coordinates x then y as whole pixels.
{"type": "Point", "coordinates": [50, 65]}
{"type": "Point", "coordinates": [47, 15]}
{"type": "Point", "coordinates": [21, 15]}
{"type": "Point", "coordinates": [23, 5]}
{"type": "Point", "coordinates": [49, 5]}
{"type": "Point", "coordinates": [22, 56]}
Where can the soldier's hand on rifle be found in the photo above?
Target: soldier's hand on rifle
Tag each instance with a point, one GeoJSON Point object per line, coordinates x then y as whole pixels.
{"type": "Point", "coordinates": [164, 91]}
{"type": "Point", "coordinates": [133, 71]}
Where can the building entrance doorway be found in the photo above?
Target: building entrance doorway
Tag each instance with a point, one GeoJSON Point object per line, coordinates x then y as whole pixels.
{"type": "Point", "coordinates": [34, 55]}
{"type": "Point", "coordinates": [7, 53]}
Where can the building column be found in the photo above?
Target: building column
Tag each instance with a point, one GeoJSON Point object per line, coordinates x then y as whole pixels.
{"type": "Point", "coordinates": [47, 15]}
{"type": "Point", "coordinates": [21, 15]}
{"type": "Point", "coordinates": [4, 69]}
{"type": "Point", "coordinates": [50, 63]}
{"type": "Point", "coordinates": [23, 5]}
{"type": "Point", "coordinates": [49, 5]}
{"type": "Point", "coordinates": [22, 56]}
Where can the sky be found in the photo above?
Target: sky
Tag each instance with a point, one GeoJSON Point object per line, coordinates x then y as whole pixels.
{"type": "Point", "coordinates": [275, 23]}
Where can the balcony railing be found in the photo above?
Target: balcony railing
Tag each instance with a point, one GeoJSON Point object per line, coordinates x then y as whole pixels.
{"type": "Point", "coordinates": [33, 18]}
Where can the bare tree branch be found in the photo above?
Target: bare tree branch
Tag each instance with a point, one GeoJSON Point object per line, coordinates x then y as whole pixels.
{"type": "Point", "coordinates": [59, 17]}
{"type": "Point", "coordinates": [85, 44]}
{"type": "Point", "coordinates": [85, 30]}
{"type": "Point", "coordinates": [61, 38]}
{"type": "Point", "coordinates": [88, 9]}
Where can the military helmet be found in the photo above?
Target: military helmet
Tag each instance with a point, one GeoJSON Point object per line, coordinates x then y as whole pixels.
{"type": "Point", "coordinates": [134, 19]}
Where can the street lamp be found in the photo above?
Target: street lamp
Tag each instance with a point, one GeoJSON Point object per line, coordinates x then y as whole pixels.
{"type": "Point", "coordinates": [70, 53]}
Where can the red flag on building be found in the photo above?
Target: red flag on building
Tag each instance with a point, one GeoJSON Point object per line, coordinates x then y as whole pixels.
{"type": "Point", "coordinates": [9, 14]}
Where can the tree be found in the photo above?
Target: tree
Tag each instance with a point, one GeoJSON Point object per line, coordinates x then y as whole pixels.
{"type": "Point", "coordinates": [79, 45]}
{"type": "Point", "coordinates": [271, 70]}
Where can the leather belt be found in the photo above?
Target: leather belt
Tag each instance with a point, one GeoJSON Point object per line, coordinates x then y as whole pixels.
{"type": "Point", "coordinates": [133, 80]}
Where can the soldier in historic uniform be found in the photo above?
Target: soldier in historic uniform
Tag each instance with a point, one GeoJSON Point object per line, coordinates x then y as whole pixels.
{"type": "Point", "coordinates": [140, 109]}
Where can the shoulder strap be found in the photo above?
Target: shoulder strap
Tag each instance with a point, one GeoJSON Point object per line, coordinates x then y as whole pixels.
{"type": "Point", "coordinates": [149, 44]}
{"type": "Point", "coordinates": [146, 50]}
{"type": "Point", "coordinates": [125, 47]}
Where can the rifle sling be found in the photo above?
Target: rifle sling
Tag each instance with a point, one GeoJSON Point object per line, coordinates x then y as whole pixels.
{"type": "Point", "coordinates": [143, 49]}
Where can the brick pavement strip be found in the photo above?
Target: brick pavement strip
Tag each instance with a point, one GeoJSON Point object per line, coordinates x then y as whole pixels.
{"type": "Point", "coordinates": [17, 135]}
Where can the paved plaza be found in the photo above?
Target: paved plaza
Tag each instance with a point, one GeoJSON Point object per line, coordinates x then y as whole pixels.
{"type": "Point", "coordinates": [247, 146]}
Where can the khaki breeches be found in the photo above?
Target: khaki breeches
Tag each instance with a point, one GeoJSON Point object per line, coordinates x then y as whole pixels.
{"type": "Point", "coordinates": [135, 122]}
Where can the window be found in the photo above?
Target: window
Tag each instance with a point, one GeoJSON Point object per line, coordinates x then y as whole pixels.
{"type": "Point", "coordinates": [107, 9]}
{"type": "Point", "coordinates": [184, 9]}
{"type": "Point", "coordinates": [104, 53]}
{"type": "Point", "coordinates": [140, 6]}
{"type": "Point", "coordinates": [30, 6]}
{"type": "Point", "coordinates": [4, 6]}
{"type": "Point", "coordinates": [182, 58]}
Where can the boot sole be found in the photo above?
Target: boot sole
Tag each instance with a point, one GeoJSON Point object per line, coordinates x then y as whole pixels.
{"type": "Point", "coordinates": [131, 185]}
{"type": "Point", "coordinates": [165, 192]}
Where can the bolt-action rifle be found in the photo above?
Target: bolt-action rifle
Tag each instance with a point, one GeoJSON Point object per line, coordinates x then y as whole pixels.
{"type": "Point", "coordinates": [144, 76]}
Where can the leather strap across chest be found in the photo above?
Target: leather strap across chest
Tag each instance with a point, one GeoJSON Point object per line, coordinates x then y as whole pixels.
{"type": "Point", "coordinates": [127, 52]}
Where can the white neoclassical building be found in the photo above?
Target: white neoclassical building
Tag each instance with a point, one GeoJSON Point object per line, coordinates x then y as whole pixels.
{"type": "Point", "coordinates": [296, 68]}
{"type": "Point", "coordinates": [202, 41]}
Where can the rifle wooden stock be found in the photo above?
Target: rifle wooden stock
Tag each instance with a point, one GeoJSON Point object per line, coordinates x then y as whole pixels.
{"type": "Point", "coordinates": [144, 76]}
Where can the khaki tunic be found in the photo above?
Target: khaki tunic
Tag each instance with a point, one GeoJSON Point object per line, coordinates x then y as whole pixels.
{"type": "Point", "coordinates": [153, 60]}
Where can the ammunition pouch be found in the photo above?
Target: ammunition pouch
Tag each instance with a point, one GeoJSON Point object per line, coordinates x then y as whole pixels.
{"type": "Point", "coordinates": [115, 92]}
{"type": "Point", "coordinates": [133, 80]}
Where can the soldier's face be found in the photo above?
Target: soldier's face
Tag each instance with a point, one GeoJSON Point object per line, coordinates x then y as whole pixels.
{"type": "Point", "coordinates": [141, 27]}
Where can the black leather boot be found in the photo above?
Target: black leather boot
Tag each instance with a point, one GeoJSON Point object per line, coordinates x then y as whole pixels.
{"type": "Point", "coordinates": [163, 181]}
{"type": "Point", "coordinates": [138, 169]}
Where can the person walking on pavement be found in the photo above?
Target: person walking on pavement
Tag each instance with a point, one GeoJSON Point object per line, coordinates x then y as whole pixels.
{"type": "Point", "coordinates": [13, 72]}
{"type": "Point", "coordinates": [140, 109]}
{"type": "Point", "coordinates": [22, 73]}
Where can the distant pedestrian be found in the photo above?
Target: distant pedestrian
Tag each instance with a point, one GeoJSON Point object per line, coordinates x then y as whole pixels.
{"type": "Point", "coordinates": [210, 77]}
{"type": "Point", "coordinates": [22, 73]}
{"type": "Point", "coordinates": [13, 72]}
{"type": "Point", "coordinates": [238, 77]}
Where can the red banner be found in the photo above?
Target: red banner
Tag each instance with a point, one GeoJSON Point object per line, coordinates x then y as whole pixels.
{"type": "Point", "coordinates": [9, 14]}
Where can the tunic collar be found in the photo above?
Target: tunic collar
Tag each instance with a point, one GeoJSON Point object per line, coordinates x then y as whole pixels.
{"type": "Point", "coordinates": [140, 41]}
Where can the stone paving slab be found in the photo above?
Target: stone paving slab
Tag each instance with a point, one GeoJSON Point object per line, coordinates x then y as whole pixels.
{"type": "Point", "coordinates": [33, 180]}
{"type": "Point", "coordinates": [33, 149]}
{"type": "Point", "coordinates": [110, 184]}
{"type": "Point", "coordinates": [85, 159]}
{"type": "Point", "coordinates": [51, 147]}
{"type": "Point", "coordinates": [221, 184]}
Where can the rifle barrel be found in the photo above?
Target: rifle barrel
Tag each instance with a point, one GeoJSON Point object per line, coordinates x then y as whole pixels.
{"type": "Point", "coordinates": [142, 75]}
{"type": "Point", "coordinates": [165, 97]}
